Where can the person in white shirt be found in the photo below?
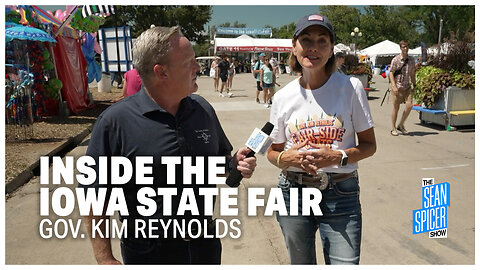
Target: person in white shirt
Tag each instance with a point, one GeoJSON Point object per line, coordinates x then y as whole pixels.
{"type": "Point", "coordinates": [323, 127]}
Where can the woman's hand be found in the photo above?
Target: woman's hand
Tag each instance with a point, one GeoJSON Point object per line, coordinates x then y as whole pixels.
{"type": "Point", "coordinates": [293, 157]}
{"type": "Point", "coordinates": [316, 159]}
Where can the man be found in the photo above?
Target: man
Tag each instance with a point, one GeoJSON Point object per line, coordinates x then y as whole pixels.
{"type": "Point", "coordinates": [222, 68]}
{"type": "Point", "coordinates": [163, 119]}
{"type": "Point", "coordinates": [256, 71]}
{"type": "Point", "coordinates": [402, 78]}
{"type": "Point", "coordinates": [340, 62]}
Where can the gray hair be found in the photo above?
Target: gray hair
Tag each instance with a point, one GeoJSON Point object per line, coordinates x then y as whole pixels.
{"type": "Point", "coordinates": [152, 48]}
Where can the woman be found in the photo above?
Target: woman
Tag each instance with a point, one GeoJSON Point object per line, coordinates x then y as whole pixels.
{"type": "Point", "coordinates": [316, 119]}
{"type": "Point", "coordinates": [231, 73]}
{"type": "Point", "coordinates": [214, 74]}
{"type": "Point", "coordinates": [266, 73]}
{"type": "Point", "coordinates": [132, 83]}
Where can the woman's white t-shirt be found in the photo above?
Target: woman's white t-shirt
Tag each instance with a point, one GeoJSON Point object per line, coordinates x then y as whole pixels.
{"type": "Point", "coordinates": [330, 115]}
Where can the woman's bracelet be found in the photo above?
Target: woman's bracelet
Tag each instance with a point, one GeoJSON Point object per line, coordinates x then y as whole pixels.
{"type": "Point", "coordinates": [279, 157]}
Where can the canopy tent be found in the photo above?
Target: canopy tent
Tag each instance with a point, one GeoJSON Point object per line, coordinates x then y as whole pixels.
{"type": "Point", "coordinates": [384, 48]}
{"type": "Point", "coordinates": [340, 47]}
{"type": "Point", "coordinates": [415, 52]}
{"type": "Point", "coordinates": [245, 43]}
{"type": "Point", "coordinates": [383, 52]}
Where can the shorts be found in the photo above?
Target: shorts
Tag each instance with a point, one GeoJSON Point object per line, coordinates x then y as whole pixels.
{"type": "Point", "coordinates": [403, 96]}
{"type": "Point", "coordinates": [267, 85]}
{"type": "Point", "coordinates": [259, 86]}
{"type": "Point", "coordinates": [223, 77]}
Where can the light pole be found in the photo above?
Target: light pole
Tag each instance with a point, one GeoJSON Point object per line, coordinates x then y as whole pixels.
{"type": "Point", "coordinates": [356, 33]}
{"type": "Point", "coordinates": [440, 32]}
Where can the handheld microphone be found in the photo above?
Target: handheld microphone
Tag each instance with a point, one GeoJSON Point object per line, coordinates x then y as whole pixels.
{"type": "Point", "coordinates": [258, 142]}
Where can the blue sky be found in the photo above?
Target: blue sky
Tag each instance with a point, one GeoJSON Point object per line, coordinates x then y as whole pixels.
{"type": "Point", "coordinates": [253, 16]}
{"type": "Point", "coordinates": [259, 16]}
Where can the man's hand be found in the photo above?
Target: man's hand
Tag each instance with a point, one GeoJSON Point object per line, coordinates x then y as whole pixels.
{"type": "Point", "coordinates": [395, 90]}
{"type": "Point", "coordinates": [245, 166]}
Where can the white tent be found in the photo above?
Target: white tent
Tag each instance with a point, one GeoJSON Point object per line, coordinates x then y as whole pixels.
{"type": "Point", "coordinates": [415, 52]}
{"type": "Point", "coordinates": [340, 47]}
{"type": "Point", "coordinates": [384, 48]}
{"type": "Point", "coordinates": [383, 52]}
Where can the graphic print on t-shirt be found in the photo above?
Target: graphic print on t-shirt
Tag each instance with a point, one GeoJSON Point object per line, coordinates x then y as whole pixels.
{"type": "Point", "coordinates": [323, 130]}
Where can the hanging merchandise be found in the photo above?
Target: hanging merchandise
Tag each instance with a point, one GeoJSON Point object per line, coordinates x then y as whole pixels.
{"type": "Point", "coordinates": [89, 24]}
{"type": "Point", "coordinates": [94, 71]}
{"type": "Point", "coordinates": [90, 17]}
{"type": "Point", "coordinates": [18, 101]}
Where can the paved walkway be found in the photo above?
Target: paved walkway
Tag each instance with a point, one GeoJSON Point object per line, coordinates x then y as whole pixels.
{"type": "Point", "coordinates": [390, 189]}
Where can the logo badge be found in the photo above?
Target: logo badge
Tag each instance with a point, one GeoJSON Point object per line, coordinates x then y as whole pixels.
{"type": "Point", "coordinates": [203, 134]}
{"type": "Point", "coordinates": [315, 17]}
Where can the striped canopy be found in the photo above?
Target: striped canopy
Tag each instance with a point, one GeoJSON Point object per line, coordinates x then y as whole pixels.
{"type": "Point", "coordinates": [44, 17]}
{"type": "Point", "coordinates": [99, 10]}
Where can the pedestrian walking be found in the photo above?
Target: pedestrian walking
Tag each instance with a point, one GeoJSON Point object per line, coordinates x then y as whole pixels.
{"type": "Point", "coordinates": [214, 74]}
{"type": "Point", "coordinates": [402, 82]}
{"type": "Point", "coordinates": [222, 70]}
{"type": "Point", "coordinates": [267, 75]}
{"type": "Point", "coordinates": [319, 118]}
{"type": "Point", "coordinates": [231, 73]}
{"type": "Point", "coordinates": [256, 74]}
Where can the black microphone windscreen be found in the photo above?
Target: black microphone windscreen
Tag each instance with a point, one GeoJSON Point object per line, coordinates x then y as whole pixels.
{"type": "Point", "coordinates": [267, 128]}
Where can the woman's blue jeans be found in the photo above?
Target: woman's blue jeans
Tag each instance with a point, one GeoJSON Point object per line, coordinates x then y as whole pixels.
{"type": "Point", "coordinates": [340, 226]}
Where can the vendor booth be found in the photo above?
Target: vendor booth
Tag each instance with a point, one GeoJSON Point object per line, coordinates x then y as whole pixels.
{"type": "Point", "coordinates": [70, 64]}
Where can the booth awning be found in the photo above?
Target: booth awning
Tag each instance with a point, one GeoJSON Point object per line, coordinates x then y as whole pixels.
{"type": "Point", "coordinates": [44, 17]}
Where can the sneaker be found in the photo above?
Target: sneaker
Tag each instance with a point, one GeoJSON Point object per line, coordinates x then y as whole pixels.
{"type": "Point", "coordinates": [258, 101]}
{"type": "Point", "coordinates": [230, 95]}
{"type": "Point", "coordinates": [221, 95]}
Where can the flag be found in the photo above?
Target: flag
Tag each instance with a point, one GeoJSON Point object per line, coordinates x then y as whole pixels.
{"type": "Point", "coordinates": [97, 10]}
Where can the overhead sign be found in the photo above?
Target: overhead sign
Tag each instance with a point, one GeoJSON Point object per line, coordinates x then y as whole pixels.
{"type": "Point", "coordinates": [243, 31]}
{"type": "Point", "coordinates": [252, 49]}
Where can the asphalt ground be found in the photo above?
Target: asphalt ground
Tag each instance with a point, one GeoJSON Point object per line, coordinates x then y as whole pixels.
{"type": "Point", "coordinates": [390, 183]}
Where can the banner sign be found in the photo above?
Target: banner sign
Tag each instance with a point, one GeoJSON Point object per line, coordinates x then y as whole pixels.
{"type": "Point", "coordinates": [252, 49]}
{"type": "Point", "coordinates": [243, 31]}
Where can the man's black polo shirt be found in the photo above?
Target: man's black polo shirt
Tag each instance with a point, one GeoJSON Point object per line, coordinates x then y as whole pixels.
{"type": "Point", "coordinates": [137, 126]}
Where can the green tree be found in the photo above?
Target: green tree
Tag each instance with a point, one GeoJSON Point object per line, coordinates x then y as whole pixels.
{"type": "Point", "coordinates": [344, 19]}
{"type": "Point", "coordinates": [457, 20]}
{"type": "Point", "coordinates": [201, 49]}
{"type": "Point", "coordinates": [379, 23]}
{"type": "Point", "coordinates": [285, 31]}
{"type": "Point", "coordinates": [191, 18]}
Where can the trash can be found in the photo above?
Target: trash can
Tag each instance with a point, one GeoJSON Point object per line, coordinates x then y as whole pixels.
{"type": "Point", "coordinates": [104, 84]}
{"type": "Point", "coordinates": [377, 71]}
